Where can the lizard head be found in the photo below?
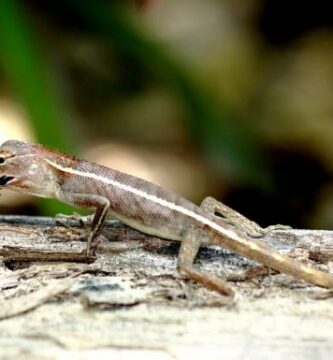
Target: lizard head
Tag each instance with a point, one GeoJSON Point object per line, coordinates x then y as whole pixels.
{"type": "Point", "coordinates": [23, 168]}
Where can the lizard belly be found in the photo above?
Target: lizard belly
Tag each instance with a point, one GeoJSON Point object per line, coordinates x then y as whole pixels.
{"type": "Point", "coordinates": [146, 229]}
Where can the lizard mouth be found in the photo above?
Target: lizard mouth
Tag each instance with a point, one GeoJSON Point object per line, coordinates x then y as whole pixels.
{"type": "Point", "coordinates": [4, 180]}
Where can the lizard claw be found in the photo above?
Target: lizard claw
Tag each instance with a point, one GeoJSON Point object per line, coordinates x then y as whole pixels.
{"type": "Point", "coordinates": [63, 220]}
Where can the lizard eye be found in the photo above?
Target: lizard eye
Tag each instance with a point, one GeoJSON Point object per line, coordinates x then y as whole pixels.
{"type": "Point", "coordinates": [2, 160]}
{"type": "Point", "coordinates": [5, 179]}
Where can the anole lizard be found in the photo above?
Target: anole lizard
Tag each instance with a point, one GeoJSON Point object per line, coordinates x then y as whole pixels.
{"type": "Point", "coordinates": [142, 205]}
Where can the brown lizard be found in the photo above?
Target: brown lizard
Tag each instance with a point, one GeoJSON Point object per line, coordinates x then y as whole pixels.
{"type": "Point", "coordinates": [142, 205]}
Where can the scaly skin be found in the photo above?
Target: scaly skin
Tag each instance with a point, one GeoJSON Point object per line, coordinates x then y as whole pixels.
{"type": "Point", "coordinates": [38, 170]}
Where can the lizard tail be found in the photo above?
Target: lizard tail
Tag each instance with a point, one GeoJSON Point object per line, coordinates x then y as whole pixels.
{"type": "Point", "coordinates": [271, 258]}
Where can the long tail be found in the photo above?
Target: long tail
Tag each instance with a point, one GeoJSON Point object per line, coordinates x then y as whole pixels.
{"type": "Point", "coordinates": [269, 257]}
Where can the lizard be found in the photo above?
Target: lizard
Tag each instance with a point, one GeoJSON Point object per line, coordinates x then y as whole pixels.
{"type": "Point", "coordinates": [41, 171]}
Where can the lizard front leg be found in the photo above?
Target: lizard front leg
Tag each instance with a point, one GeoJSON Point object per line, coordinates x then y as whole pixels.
{"type": "Point", "coordinates": [236, 219]}
{"type": "Point", "coordinates": [102, 205]}
{"type": "Point", "coordinates": [188, 249]}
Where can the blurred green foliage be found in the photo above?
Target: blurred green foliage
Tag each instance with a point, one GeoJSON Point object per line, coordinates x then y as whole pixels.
{"type": "Point", "coordinates": [215, 129]}
{"type": "Point", "coordinates": [28, 72]}
{"type": "Point", "coordinates": [29, 76]}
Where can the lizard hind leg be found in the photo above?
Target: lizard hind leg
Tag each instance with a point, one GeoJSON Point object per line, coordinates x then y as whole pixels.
{"type": "Point", "coordinates": [234, 218]}
{"type": "Point", "coordinates": [187, 252]}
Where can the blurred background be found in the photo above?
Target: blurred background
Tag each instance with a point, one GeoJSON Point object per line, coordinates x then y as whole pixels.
{"type": "Point", "coordinates": [231, 99]}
